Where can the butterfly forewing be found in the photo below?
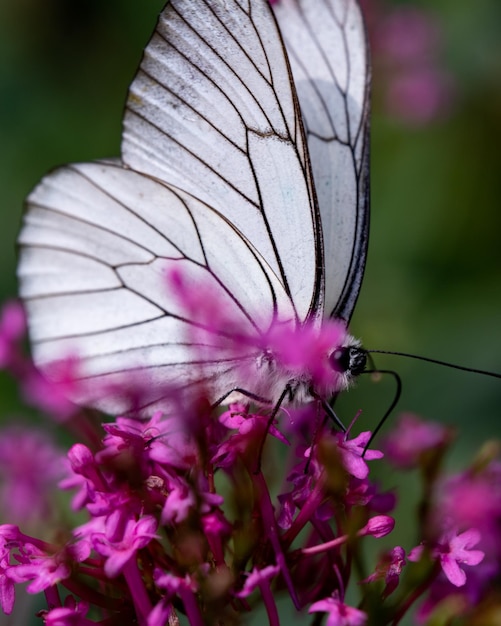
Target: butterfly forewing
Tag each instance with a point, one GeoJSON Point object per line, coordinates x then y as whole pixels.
{"type": "Point", "coordinates": [212, 110]}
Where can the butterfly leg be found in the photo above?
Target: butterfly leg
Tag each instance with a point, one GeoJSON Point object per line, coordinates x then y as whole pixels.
{"type": "Point", "coordinates": [243, 392]}
{"type": "Point", "coordinates": [287, 391]}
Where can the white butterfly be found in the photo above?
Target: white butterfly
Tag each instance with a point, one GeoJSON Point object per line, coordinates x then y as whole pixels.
{"type": "Point", "coordinates": [224, 176]}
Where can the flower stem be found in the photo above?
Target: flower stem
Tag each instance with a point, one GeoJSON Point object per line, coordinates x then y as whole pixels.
{"type": "Point", "coordinates": [271, 530]}
{"type": "Point", "coordinates": [137, 591]}
{"type": "Point", "coordinates": [269, 603]}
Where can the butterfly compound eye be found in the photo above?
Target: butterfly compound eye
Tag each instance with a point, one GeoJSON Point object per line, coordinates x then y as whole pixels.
{"type": "Point", "coordinates": [349, 359]}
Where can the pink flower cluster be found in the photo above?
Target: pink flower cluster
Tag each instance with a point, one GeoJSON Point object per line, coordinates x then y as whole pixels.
{"type": "Point", "coordinates": [161, 531]}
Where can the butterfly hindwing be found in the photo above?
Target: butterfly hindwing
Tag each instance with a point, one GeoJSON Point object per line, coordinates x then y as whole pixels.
{"type": "Point", "coordinates": [328, 53]}
{"type": "Point", "coordinates": [94, 274]}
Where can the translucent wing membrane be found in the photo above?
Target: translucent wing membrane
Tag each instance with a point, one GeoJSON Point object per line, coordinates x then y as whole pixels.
{"type": "Point", "coordinates": [94, 271]}
{"type": "Point", "coordinates": [328, 53]}
{"type": "Point", "coordinates": [215, 185]}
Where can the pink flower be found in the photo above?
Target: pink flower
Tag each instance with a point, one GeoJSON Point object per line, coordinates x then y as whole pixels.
{"type": "Point", "coordinates": [408, 35]}
{"type": "Point", "coordinates": [257, 578]}
{"type": "Point", "coordinates": [71, 614]}
{"type": "Point", "coordinates": [7, 588]}
{"type": "Point", "coordinates": [30, 466]}
{"type": "Point", "coordinates": [406, 50]}
{"type": "Point", "coordinates": [12, 330]}
{"type": "Point", "coordinates": [51, 390]}
{"type": "Point", "coordinates": [238, 418]}
{"type": "Point", "coordinates": [43, 570]}
{"type": "Point", "coordinates": [473, 499]}
{"type": "Point", "coordinates": [456, 549]}
{"type": "Point", "coordinates": [411, 437]}
{"type": "Point", "coordinates": [419, 95]}
{"type": "Point", "coordinates": [389, 569]}
{"type": "Point", "coordinates": [251, 428]}
{"type": "Point", "coordinates": [174, 584]}
{"type": "Point", "coordinates": [261, 579]}
{"type": "Point", "coordinates": [452, 550]}
{"type": "Point", "coordinates": [121, 543]}
{"type": "Point", "coordinates": [184, 587]}
{"type": "Point", "coordinates": [339, 614]}
{"type": "Point", "coordinates": [159, 538]}
{"type": "Point", "coordinates": [378, 526]}
{"type": "Point", "coordinates": [354, 454]}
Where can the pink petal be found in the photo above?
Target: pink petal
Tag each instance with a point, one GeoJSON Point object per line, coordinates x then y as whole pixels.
{"type": "Point", "coordinates": [452, 570]}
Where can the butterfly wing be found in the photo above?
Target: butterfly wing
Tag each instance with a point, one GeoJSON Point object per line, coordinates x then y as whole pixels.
{"type": "Point", "coordinates": [328, 53]}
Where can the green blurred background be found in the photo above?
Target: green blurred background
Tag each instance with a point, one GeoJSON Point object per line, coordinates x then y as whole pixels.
{"type": "Point", "coordinates": [433, 279]}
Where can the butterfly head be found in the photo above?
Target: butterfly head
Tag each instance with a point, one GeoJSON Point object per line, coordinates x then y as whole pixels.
{"type": "Point", "coordinates": [349, 360]}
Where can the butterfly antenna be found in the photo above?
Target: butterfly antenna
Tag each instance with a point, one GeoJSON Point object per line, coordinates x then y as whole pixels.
{"type": "Point", "coordinates": [438, 362]}
{"type": "Point", "coordinates": [389, 410]}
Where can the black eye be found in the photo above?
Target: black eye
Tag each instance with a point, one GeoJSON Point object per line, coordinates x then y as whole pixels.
{"type": "Point", "coordinates": [351, 360]}
{"type": "Point", "coordinates": [340, 360]}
